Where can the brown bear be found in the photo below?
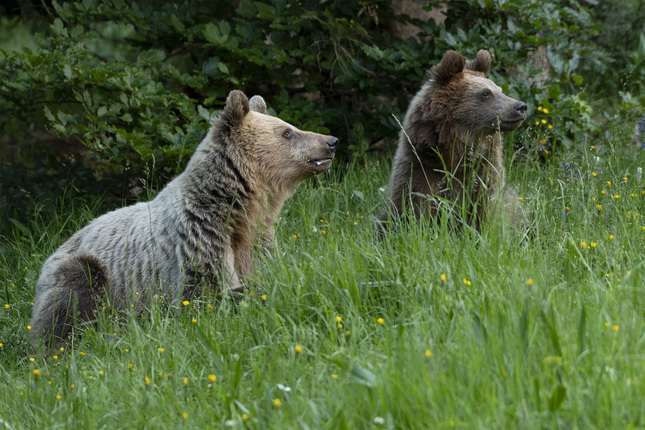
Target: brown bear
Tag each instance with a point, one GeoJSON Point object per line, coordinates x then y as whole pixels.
{"type": "Point", "coordinates": [449, 156]}
{"type": "Point", "coordinates": [205, 228]}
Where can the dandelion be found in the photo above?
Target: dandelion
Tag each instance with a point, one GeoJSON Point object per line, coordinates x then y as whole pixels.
{"type": "Point", "coordinates": [602, 192]}
{"type": "Point", "coordinates": [146, 380]}
{"type": "Point", "coordinates": [72, 386]}
{"type": "Point", "coordinates": [36, 372]}
{"type": "Point", "coordinates": [194, 321]}
{"type": "Point", "coordinates": [55, 357]}
{"type": "Point", "coordinates": [185, 381]}
{"type": "Point", "coordinates": [545, 110]}
{"type": "Point", "coordinates": [428, 353]}
{"type": "Point", "coordinates": [593, 244]}
{"type": "Point", "coordinates": [543, 121]}
{"type": "Point", "coordinates": [593, 174]}
{"type": "Point", "coordinates": [277, 403]}
{"type": "Point", "coordinates": [160, 349]}
{"type": "Point", "coordinates": [624, 178]}
{"type": "Point", "coordinates": [355, 223]}
{"type": "Point", "coordinates": [58, 397]}
{"type": "Point", "coordinates": [599, 207]}
{"type": "Point", "coordinates": [338, 319]}
{"type": "Point", "coordinates": [324, 232]}
{"type": "Point", "coordinates": [611, 236]}
{"type": "Point", "coordinates": [298, 349]}
{"type": "Point", "coordinates": [101, 373]}
{"type": "Point", "coordinates": [28, 328]}
{"type": "Point", "coordinates": [380, 321]}
{"type": "Point", "coordinates": [467, 282]}
{"type": "Point", "coordinates": [529, 282]}
{"type": "Point", "coordinates": [294, 236]}
{"type": "Point", "coordinates": [0, 345]}
{"type": "Point", "coordinates": [62, 349]}
{"type": "Point", "coordinates": [607, 324]}
{"type": "Point", "coordinates": [550, 127]}
{"type": "Point", "coordinates": [340, 326]}
{"type": "Point", "coordinates": [583, 245]}
{"type": "Point", "coordinates": [32, 359]}
{"type": "Point", "coordinates": [184, 415]}
{"type": "Point", "coordinates": [212, 379]}
{"type": "Point", "coordinates": [521, 199]}
{"type": "Point", "coordinates": [543, 141]}
{"type": "Point", "coordinates": [185, 302]}
{"type": "Point", "coordinates": [444, 279]}
{"type": "Point", "coordinates": [82, 354]}
{"type": "Point", "coordinates": [537, 122]}
{"type": "Point", "coordinates": [245, 417]}
{"type": "Point", "coordinates": [335, 376]}
{"type": "Point", "coordinates": [609, 183]}
{"type": "Point", "coordinates": [540, 108]}
{"type": "Point", "coordinates": [6, 306]}
{"type": "Point", "coordinates": [264, 297]}
{"type": "Point", "coordinates": [615, 327]}
{"type": "Point", "coordinates": [617, 196]}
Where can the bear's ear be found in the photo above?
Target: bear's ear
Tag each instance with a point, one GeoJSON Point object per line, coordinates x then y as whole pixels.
{"type": "Point", "coordinates": [257, 104]}
{"type": "Point", "coordinates": [451, 64]}
{"type": "Point", "coordinates": [481, 63]}
{"type": "Point", "coordinates": [237, 107]}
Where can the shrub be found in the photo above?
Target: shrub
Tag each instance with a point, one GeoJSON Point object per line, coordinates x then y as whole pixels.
{"type": "Point", "coordinates": [138, 82]}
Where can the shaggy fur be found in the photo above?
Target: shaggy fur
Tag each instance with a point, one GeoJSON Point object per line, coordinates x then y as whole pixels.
{"type": "Point", "coordinates": [450, 149]}
{"type": "Point", "coordinates": [204, 228]}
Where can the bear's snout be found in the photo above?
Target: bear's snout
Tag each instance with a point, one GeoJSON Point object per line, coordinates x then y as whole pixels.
{"type": "Point", "coordinates": [521, 107]}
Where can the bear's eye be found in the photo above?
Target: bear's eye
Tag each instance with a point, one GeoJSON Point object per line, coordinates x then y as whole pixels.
{"type": "Point", "coordinates": [287, 134]}
{"type": "Point", "coordinates": [486, 94]}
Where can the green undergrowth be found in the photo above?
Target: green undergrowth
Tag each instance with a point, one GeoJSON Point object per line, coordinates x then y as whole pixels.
{"type": "Point", "coordinates": [426, 329]}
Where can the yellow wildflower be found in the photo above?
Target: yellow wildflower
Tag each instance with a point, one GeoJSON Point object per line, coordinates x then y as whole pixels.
{"type": "Point", "coordinates": [298, 349]}
{"type": "Point", "coordinates": [277, 403]}
{"type": "Point", "coordinates": [212, 379]}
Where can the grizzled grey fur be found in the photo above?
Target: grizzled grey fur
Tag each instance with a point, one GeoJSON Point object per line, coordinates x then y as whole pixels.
{"type": "Point", "coordinates": [203, 228]}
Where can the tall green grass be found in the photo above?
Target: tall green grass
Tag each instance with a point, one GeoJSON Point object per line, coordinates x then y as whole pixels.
{"type": "Point", "coordinates": [427, 329]}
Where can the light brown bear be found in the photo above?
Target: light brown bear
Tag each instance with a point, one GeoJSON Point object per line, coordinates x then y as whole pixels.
{"type": "Point", "coordinates": [206, 227]}
{"type": "Point", "coordinates": [449, 156]}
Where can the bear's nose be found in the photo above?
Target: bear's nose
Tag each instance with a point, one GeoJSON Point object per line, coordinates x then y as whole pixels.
{"type": "Point", "coordinates": [332, 143]}
{"type": "Point", "coordinates": [521, 107]}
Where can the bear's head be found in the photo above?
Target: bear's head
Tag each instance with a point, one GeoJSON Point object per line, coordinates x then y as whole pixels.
{"type": "Point", "coordinates": [469, 101]}
{"type": "Point", "coordinates": [283, 154]}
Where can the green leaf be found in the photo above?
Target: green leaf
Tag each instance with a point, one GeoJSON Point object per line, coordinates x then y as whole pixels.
{"type": "Point", "coordinates": [362, 376]}
{"type": "Point", "coordinates": [224, 28]}
{"type": "Point", "coordinates": [212, 33]}
{"type": "Point", "coordinates": [23, 229]}
{"type": "Point", "coordinates": [67, 71]}
{"type": "Point", "coordinates": [222, 67]}
{"type": "Point", "coordinates": [557, 398]}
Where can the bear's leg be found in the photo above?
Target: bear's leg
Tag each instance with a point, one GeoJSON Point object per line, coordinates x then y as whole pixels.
{"type": "Point", "coordinates": [74, 288]}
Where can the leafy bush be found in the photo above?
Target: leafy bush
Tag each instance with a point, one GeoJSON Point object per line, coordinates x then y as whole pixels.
{"type": "Point", "coordinates": [138, 82]}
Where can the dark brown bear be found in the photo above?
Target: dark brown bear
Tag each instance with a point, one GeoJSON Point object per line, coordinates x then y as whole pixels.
{"type": "Point", "coordinates": [449, 156]}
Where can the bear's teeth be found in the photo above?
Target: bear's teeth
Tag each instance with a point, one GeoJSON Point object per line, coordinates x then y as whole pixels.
{"type": "Point", "coordinates": [318, 163]}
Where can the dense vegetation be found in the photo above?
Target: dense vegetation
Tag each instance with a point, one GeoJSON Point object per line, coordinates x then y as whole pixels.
{"type": "Point", "coordinates": [425, 330]}
{"type": "Point", "coordinates": [138, 82]}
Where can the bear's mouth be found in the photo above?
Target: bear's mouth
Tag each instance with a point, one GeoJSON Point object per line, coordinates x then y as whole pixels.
{"type": "Point", "coordinates": [319, 164]}
{"type": "Point", "coordinates": [511, 124]}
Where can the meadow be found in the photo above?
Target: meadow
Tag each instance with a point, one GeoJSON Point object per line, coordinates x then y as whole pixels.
{"type": "Point", "coordinates": [427, 330]}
